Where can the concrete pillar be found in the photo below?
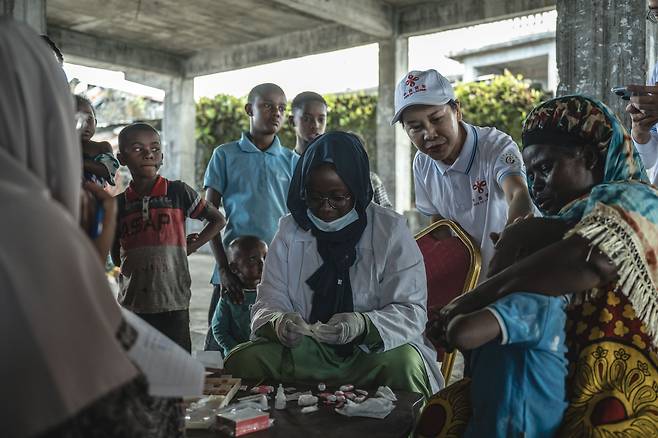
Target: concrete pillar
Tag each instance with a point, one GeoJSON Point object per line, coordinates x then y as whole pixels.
{"type": "Point", "coordinates": [601, 45]}
{"type": "Point", "coordinates": [178, 124]}
{"type": "Point", "coordinates": [552, 74]}
{"type": "Point", "coordinates": [470, 72]}
{"type": "Point", "coordinates": [393, 145]}
{"type": "Point", "coordinates": [651, 47]}
{"type": "Point", "coordinates": [31, 12]}
{"type": "Point", "coordinates": [178, 130]}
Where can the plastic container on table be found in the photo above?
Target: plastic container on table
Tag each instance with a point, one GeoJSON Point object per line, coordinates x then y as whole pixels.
{"type": "Point", "coordinates": [242, 422]}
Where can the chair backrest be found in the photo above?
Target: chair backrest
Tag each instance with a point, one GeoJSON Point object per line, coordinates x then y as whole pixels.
{"type": "Point", "coordinates": [452, 264]}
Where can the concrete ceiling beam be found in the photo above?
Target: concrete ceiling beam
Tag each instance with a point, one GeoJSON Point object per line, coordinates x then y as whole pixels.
{"type": "Point", "coordinates": [98, 52]}
{"type": "Point", "coordinates": [425, 18]}
{"type": "Point", "coordinates": [288, 46]}
{"type": "Point", "coordinates": [450, 14]}
{"type": "Point", "coordinates": [372, 17]}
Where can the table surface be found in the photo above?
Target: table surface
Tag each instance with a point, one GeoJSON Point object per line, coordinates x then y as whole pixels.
{"type": "Point", "coordinates": [325, 423]}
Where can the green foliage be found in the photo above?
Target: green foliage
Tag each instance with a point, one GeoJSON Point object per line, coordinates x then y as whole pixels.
{"type": "Point", "coordinates": [356, 112]}
{"type": "Point", "coordinates": [222, 119]}
{"type": "Point", "coordinates": [503, 102]}
{"type": "Point", "coordinates": [218, 120]}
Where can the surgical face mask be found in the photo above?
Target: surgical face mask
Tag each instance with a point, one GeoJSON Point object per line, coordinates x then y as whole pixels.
{"type": "Point", "coordinates": [335, 225]}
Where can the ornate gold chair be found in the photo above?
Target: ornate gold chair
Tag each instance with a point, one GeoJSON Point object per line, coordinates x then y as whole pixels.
{"type": "Point", "coordinates": [452, 263]}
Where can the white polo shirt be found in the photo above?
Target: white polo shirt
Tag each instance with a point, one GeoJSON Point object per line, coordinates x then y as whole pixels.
{"type": "Point", "coordinates": [470, 191]}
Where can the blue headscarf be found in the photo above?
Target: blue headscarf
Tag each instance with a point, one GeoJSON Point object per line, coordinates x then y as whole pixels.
{"type": "Point", "coordinates": [331, 282]}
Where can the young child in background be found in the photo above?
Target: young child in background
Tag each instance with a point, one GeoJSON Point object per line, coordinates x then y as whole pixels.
{"type": "Point", "coordinates": [250, 177]}
{"type": "Point", "coordinates": [515, 351]}
{"type": "Point", "coordinates": [231, 323]}
{"type": "Point", "coordinates": [309, 120]}
{"type": "Point", "coordinates": [151, 244]}
{"type": "Point", "coordinates": [99, 164]}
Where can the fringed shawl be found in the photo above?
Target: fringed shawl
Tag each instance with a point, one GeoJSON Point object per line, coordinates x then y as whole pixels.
{"type": "Point", "coordinates": [620, 215]}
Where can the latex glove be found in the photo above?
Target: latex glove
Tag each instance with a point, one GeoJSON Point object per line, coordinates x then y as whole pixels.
{"type": "Point", "coordinates": [341, 328]}
{"type": "Point", "coordinates": [290, 329]}
{"type": "Point", "coordinates": [387, 393]}
{"type": "Point", "coordinates": [375, 407]}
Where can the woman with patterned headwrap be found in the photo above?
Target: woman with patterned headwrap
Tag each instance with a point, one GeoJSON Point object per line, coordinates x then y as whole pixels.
{"type": "Point", "coordinates": [596, 245]}
{"type": "Point", "coordinates": [343, 295]}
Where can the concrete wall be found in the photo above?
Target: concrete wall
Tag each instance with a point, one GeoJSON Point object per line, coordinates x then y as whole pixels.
{"type": "Point", "coordinates": [32, 12]}
{"type": "Point", "coordinates": [476, 64]}
{"type": "Point", "coordinates": [178, 130]}
{"type": "Point", "coordinates": [177, 124]}
{"type": "Point", "coordinates": [601, 45]}
{"type": "Point", "coordinates": [393, 154]}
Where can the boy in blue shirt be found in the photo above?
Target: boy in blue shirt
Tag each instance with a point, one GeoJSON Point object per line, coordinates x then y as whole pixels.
{"type": "Point", "coordinates": [250, 177]}
{"type": "Point", "coordinates": [516, 355]}
{"type": "Point", "coordinates": [231, 324]}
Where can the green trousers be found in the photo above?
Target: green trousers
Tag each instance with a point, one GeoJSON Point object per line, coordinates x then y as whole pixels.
{"type": "Point", "coordinates": [311, 362]}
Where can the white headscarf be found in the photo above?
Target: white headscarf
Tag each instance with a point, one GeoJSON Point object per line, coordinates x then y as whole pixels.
{"type": "Point", "coordinates": [58, 319]}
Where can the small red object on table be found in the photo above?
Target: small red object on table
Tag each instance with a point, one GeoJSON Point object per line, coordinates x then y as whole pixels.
{"type": "Point", "coordinates": [326, 423]}
{"type": "Point", "coordinates": [243, 422]}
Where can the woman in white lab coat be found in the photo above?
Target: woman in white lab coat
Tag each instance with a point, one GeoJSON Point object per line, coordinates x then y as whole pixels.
{"type": "Point", "coordinates": [343, 295]}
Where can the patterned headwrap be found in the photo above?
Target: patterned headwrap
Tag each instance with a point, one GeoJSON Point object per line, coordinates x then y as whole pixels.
{"type": "Point", "coordinates": [578, 121]}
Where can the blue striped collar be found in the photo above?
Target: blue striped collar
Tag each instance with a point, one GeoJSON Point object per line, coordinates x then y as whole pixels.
{"type": "Point", "coordinates": [464, 161]}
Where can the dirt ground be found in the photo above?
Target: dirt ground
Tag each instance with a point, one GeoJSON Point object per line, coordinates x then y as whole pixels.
{"type": "Point", "coordinates": [201, 266]}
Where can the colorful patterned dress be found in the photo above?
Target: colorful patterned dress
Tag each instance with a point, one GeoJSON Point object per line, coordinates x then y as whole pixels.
{"type": "Point", "coordinates": [612, 332]}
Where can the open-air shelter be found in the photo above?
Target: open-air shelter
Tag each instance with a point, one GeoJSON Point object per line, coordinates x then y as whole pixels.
{"type": "Point", "coordinates": [167, 43]}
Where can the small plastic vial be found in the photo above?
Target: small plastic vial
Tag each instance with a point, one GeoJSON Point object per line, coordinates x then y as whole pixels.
{"type": "Point", "coordinates": [280, 398]}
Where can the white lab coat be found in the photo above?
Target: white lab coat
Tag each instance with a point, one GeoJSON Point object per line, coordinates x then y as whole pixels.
{"type": "Point", "coordinates": [388, 282]}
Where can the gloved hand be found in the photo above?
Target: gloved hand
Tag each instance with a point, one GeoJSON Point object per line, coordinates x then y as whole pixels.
{"type": "Point", "coordinates": [341, 328]}
{"type": "Point", "coordinates": [290, 329]}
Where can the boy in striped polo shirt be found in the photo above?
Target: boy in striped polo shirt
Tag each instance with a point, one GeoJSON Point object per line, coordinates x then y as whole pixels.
{"type": "Point", "coordinates": [151, 244]}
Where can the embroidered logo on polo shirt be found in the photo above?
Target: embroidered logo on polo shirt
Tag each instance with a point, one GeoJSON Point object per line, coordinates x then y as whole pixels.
{"type": "Point", "coordinates": [413, 87]}
{"type": "Point", "coordinates": [509, 158]}
{"type": "Point", "coordinates": [480, 192]}
{"type": "Point", "coordinates": [479, 186]}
